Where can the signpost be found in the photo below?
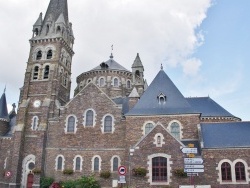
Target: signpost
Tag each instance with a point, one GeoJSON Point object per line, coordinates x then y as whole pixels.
{"type": "Point", "coordinates": [122, 171]}
{"type": "Point", "coordinates": [194, 170]}
{"type": "Point", "coordinates": [193, 160]}
{"type": "Point", "coordinates": [189, 150]}
{"type": "Point", "coordinates": [192, 165]}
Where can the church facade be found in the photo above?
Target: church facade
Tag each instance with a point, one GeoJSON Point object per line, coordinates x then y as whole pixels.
{"type": "Point", "coordinates": [114, 119]}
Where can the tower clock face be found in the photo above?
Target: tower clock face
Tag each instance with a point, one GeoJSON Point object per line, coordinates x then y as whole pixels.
{"type": "Point", "coordinates": [37, 103]}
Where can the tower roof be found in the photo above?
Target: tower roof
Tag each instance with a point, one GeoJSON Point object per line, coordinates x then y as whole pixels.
{"type": "Point", "coordinates": [161, 97]}
{"type": "Point", "coordinates": [55, 9]}
{"type": "Point", "coordinates": [111, 64]}
{"type": "Point", "coordinates": [137, 62]}
{"type": "Point", "coordinates": [3, 108]}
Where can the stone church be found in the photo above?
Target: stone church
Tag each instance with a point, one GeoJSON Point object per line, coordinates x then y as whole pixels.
{"type": "Point", "coordinates": [114, 119]}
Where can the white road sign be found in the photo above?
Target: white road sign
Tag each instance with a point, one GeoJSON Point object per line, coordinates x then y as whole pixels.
{"type": "Point", "coordinates": [193, 170]}
{"type": "Point", "coordinates": [193, 166]}
{"type": "Point", "coordinates": [189, 150]}
{"type": "Point", "coordinates": [193, 160]}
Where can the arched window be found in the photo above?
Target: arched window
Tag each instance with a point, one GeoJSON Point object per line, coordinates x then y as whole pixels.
{"type": "Point", "coordinates": [34, 123]}
{"type": "Point", "coordinates": [101, 82]}
{"type": "Point", "coordinates": [108, 124]}
{"type": "Point", "coordinates": [226, 171]}
{"type": "Point", "coordinates": [71, 124]}
{"type": "Point", "coordinates": [137, 74]}
{"type": "Point", "coordinates": [96, 164]}
{"type": "Point", "coordinates": [175, 130]}
{"type": "Point", "coordinates": [128, 84]}
{"type": "Point", "coordinates": [78, 163]}
{"type": "Point", "coordinates": [35, 32]}
{"type": "Point", "coordinates": [46, 72]}
{"type": "Point", "coordinates": [89, 118]}
{"type": "Point", "coordinates": [115, 163]}
{"type": "Point", "coordinates": [158, 140]}
{"type": "Point", "coordinates": [65, 80]}
{"type": "Point", "coordinates": [58, 29]}
{"type": "Point", "coordinates": [59, 163]}
{"type": "Point", "coordinates": [35, 73]}
{"type": "Point", "coordinates": [116, 83]}
{"type": "Point", "coordinates": [148, 127]}
{"type": "Point", "coordinates": [240, 171]}
{"type": "Point", "coordinates": [49, 54]}
{"type": "Point", "coordinates": [39, 55]}
{"type": "Point", "coordinates": [159, 169]}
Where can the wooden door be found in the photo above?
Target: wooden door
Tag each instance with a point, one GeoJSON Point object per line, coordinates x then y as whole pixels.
{"type": "Point", "coordinates": [30, 180]}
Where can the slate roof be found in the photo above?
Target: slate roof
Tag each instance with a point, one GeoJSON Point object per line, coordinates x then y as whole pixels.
{"type": "Point", "coordinates": [149, 103]}
{"type": "Point", "coordinates": [56, 8]}
{"type": "Point", "coordinates": [3, 108]}
{"type": "Point", "coordinates": [111, 64]}
{"type": "Point", "coordinates": [208, 107]}
{"type": "Point", "coordinates": [226, 135]}
{"type": "Point", "coordinates": [124, 102]}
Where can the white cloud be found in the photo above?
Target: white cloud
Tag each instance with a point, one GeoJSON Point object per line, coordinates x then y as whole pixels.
{"type": "Point", "coordinates": [191, 66]}
{"type": "Point", "coordinates": [161, 31]}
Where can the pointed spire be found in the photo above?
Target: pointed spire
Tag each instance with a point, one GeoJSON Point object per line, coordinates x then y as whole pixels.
{"type": "Point", "coordinates": [55, 9]}
{"type": "Point", "coordinates": [39, 21]}
{"type": "Point", "coordinates": [137, 62]}
{"type": "Point", "coordinates": [3, 107]}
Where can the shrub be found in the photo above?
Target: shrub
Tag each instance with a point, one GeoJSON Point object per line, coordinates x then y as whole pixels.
{"type": "Point", "coordinates": [55, 185]}
{"type": "Point", "coordinates": [88, 182]}
{"type": "Point", "coordinates": [69, 184]}
{"type": "Point", "coordinates": [45, 182]}
{"type": "Point", "coordinates": [139, 171]}
{"type": "Point", "coordinates": [105, 174]}
{"type": "Point", "coordinates": [68, 171]}
{"type": "Point", "coordinates": [180, 172]}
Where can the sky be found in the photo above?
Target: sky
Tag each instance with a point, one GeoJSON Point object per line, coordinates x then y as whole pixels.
{"type": "Point", "coordinates": [203, 45]}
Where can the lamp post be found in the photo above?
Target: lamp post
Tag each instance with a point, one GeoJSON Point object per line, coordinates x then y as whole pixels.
{"type": "Point", "coordinates": [131, 153]}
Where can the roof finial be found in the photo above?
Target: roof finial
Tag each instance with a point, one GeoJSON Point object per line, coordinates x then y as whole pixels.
{"type": "Point", "coordinates": [4, 89]}
{"type": "Point", "coordinates": [111, 56]}
{"type": "Point", "coordinates": [161, 67]}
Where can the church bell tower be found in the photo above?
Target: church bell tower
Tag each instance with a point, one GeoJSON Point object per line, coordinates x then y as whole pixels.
{"type": "Point", "coordinates": [46, 87]}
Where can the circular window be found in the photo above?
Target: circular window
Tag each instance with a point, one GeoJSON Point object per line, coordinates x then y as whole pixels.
{"type": "Point", "coordinates": [31, 166]}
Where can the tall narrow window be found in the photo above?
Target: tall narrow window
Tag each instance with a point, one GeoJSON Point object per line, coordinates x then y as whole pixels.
{"type": "Point", "coordinates": [240, 171]}
{"type": "Point", "coordinates": [115, 164]}
{"type": "Point", "coordinates": [159, 169]}
{"type": "Point", "coordinates": [148, 127]}
{"type": "Point", "coordinates": [101, 82]}
{"type": "Point", "coordinates": [89, 118]}
{"type": "Point", "coordinates": [59, 163]}
{"type": "Point", "coordinates": [175, 130]}
{"type": "Point", "coordinates": [96, 164]}
{"type": "Point", "coordinates": [78, 164]}
{"type": "Point", "coordinates": [35, 32]}
{"type": "Point", "coordinates": [46, 72]}
{"type": "Point", "coordinates": [71, 124]}
{"type": "Point", "coordinates": [226, 172]}
{"type": "Point", "coordinates": [34, 123]}
{"type": "Point", "coordinates": [108, 124]}
{"type": "Point", "coordinates": [35, 73]}
{"type": "Point", "coordinates": [39, 55]}
{"type": "Point", "coordinates": [49, 54]}
{"type": "Point", "coordinates": [47, 29]}
{"type": "Point", "coordinates": [58, 29]}
{"type": "Point", "coordinates": [116, 84]}
{"type": "Point", "coordinates": [128, 84]}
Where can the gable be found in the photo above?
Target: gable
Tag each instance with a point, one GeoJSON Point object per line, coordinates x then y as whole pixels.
{"type": "Point", "coordinates": [162, 97]}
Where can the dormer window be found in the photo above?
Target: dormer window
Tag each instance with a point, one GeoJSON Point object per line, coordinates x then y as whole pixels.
{"type": "Point", "coordinates": [162, 98]}
{"type": "Point", "coordinates": [58, 29]}
{"type": "Point", "coordinates": [49, 54]}
{"type": "Point", "coordinates": [104, 65]}
{"type": "Point", "coordinates": [39, 55]}
{"type": "Point", "coordinates": [35, 32]}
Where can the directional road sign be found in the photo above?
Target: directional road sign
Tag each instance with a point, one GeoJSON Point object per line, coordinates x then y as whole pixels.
{"type": "Point", "coordinates": [193, 170]}
{"type": "Point", "coordinates": [193, 160]}
{"type": "Point", "coordinates": [192, 174]}
{"type": "Point", "coordinates": [193, 166]}
{"type": "Point", "coordinates": [189, 150]}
